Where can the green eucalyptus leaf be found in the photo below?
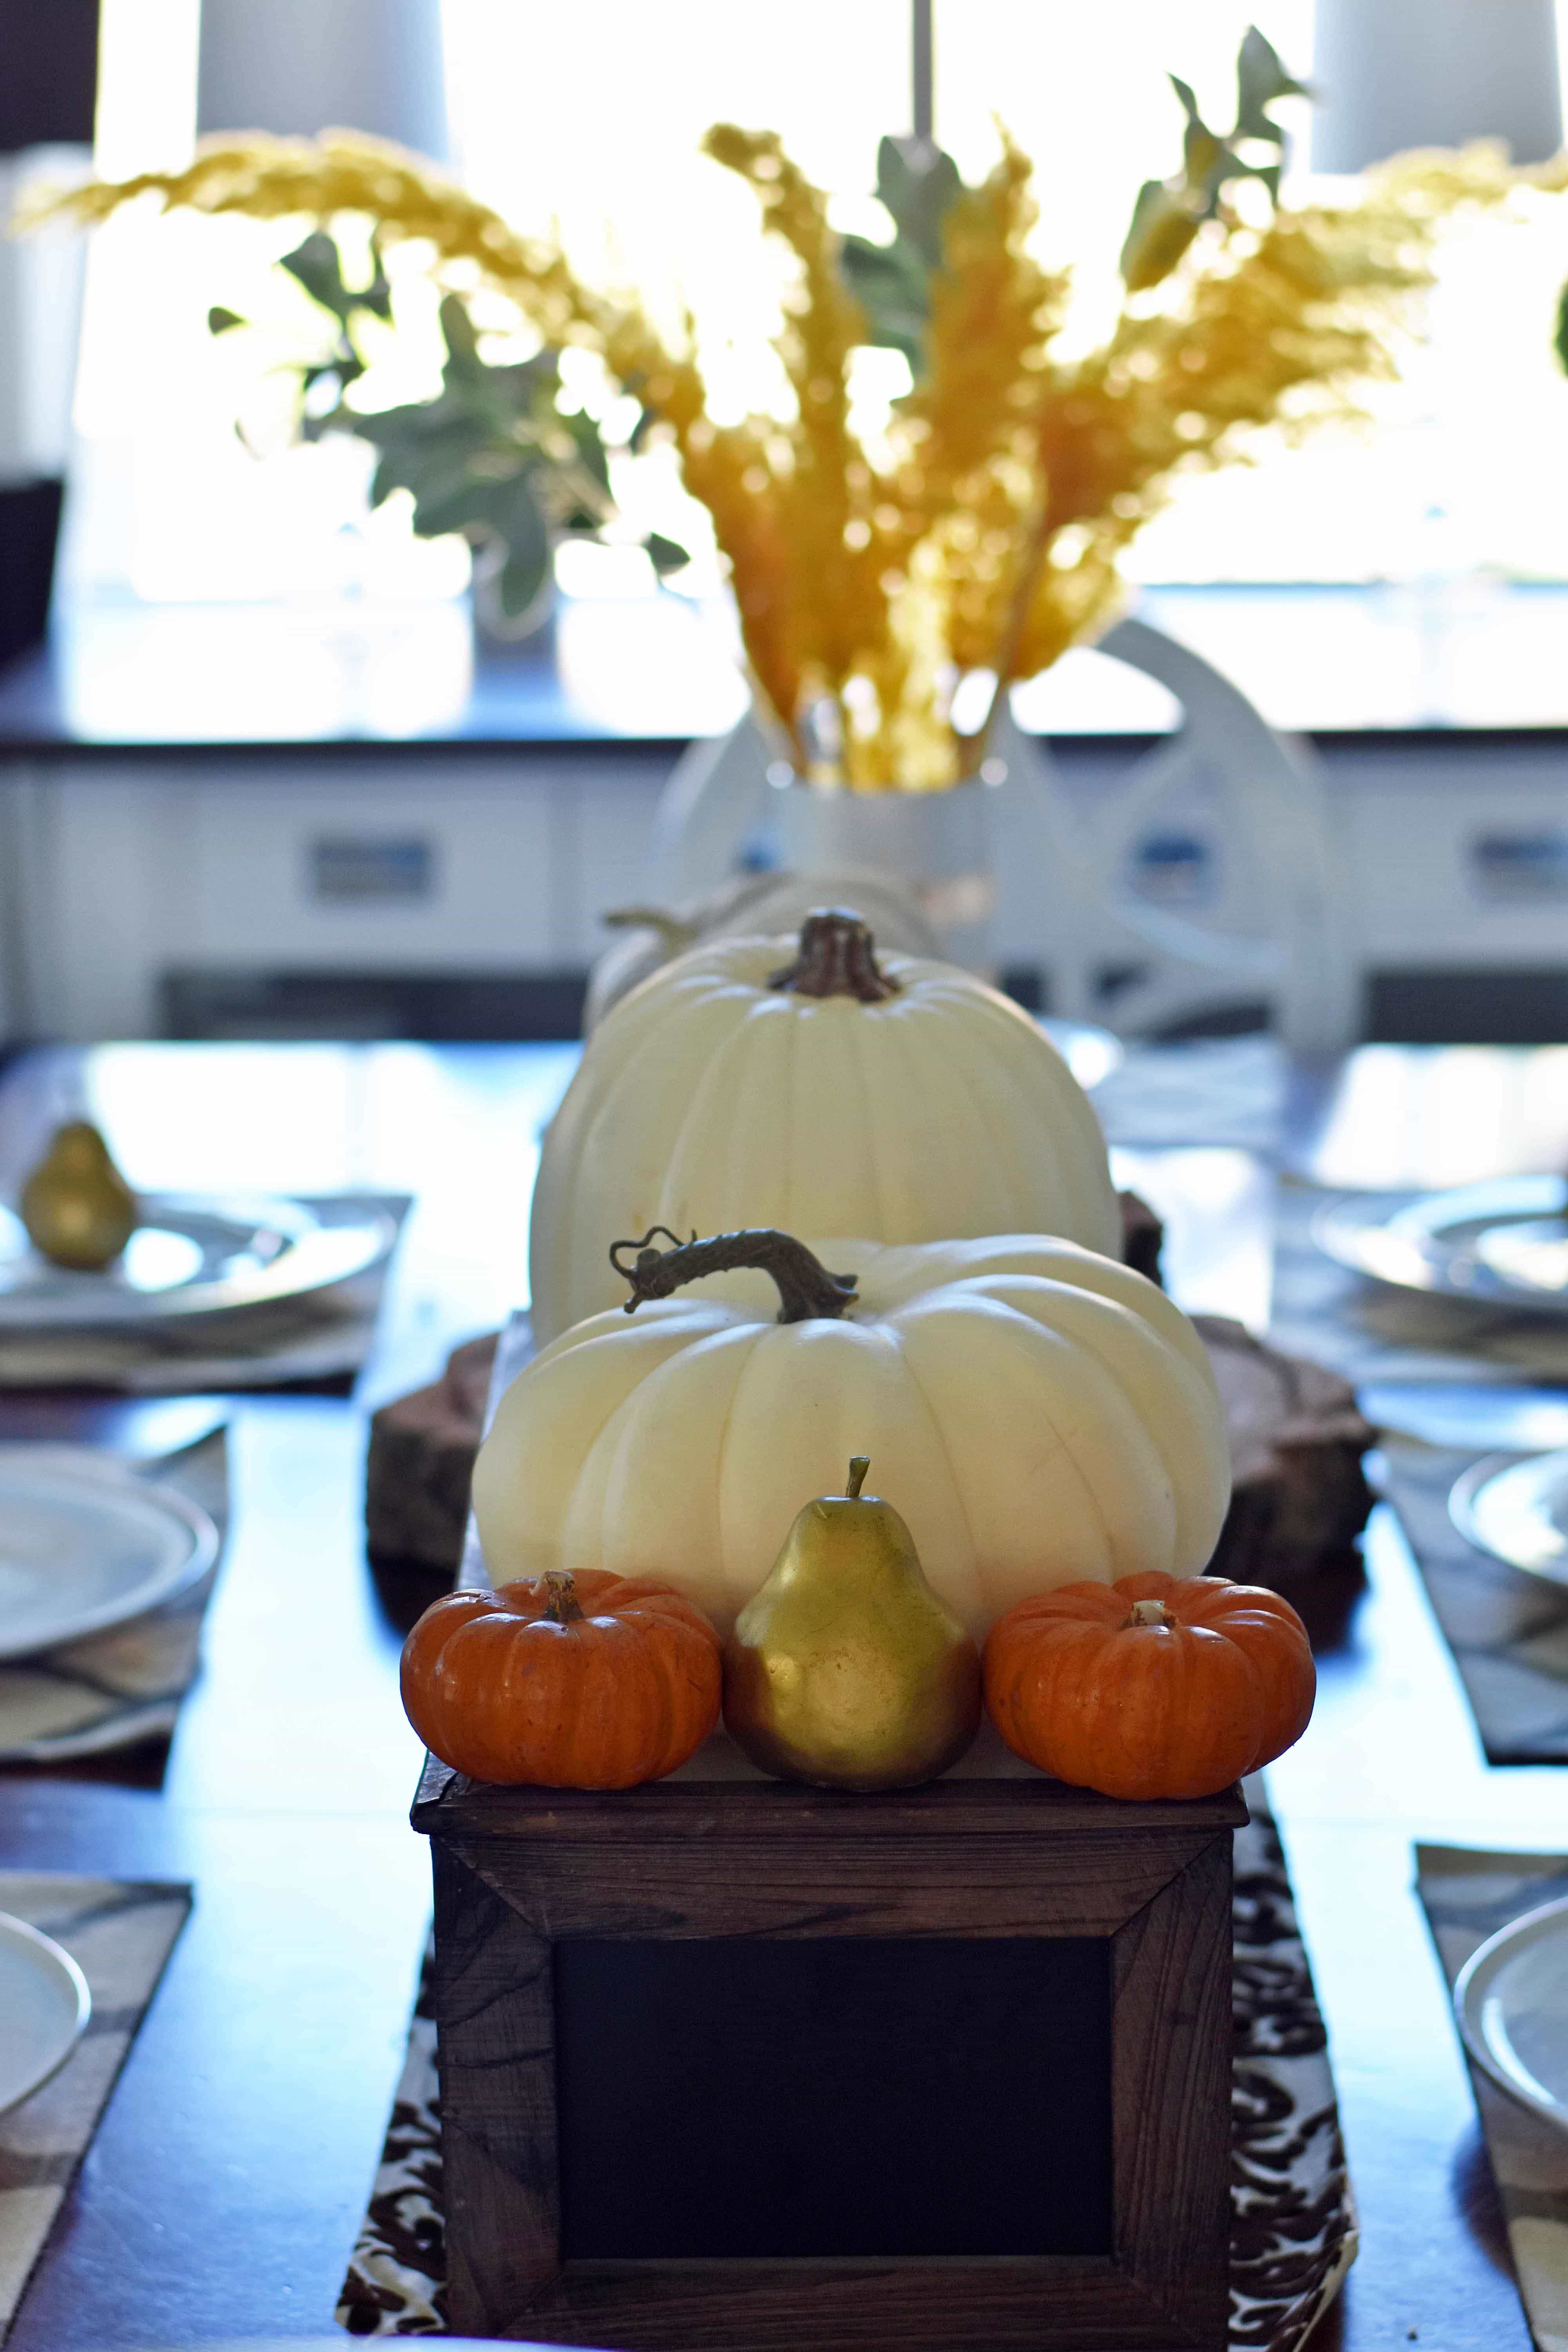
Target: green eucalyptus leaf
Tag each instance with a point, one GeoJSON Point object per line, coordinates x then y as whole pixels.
{"type": "Point", "coordinates": [890, 282]}
{"type": "Point", "coordinates": [665, 554]}
{"type": "Point", "coordinates": [490, 455]}
{"type": "Point", "coordinates": [1164, 223]}
{"type": "Point", "coordinates": [471, 504]}
{"type": "Point", "coordinates": [1187, 95]}
{"type": "Point", "coordinates": [1167, 213]}
{"type": "Point", "coordinates": [318, 267]}
{"type": "Point", "coordinates": [458, 334]}
{"type": "Point", "coordinates": [433, 465]}
{"type": "Point", "coordinates": [917, 182]}
{"type": "Point", "coordinates": [376, 296]}
{"type": "Point", "coordinates": [1260, 79]}
{"type": "Point", "coordinates": [220, 320]}
{"type": "Point", "coordinates": [591, 452]}
{"type": "Point", "coordinates": [1560, 340]}
{"type": "Point", "coordinates": [516, 523]}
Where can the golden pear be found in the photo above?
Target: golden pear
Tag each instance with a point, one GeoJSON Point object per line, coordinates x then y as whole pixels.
{"type": "Point", "coordinates": [845, 1668]}
{"type": "Point", "coordinates": [78, 1208]}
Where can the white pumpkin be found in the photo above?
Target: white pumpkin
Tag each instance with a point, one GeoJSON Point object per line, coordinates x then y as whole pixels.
{"type": "Point", "coordinates": [1037, 1412]}
{"type": "Point", "coordinates": [910, 1104]}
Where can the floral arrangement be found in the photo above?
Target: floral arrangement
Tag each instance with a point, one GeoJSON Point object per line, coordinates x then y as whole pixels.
{"type": "Point", "coordinates": [496, 454]}
{"type": "Point", "coordinates": [981, 532]}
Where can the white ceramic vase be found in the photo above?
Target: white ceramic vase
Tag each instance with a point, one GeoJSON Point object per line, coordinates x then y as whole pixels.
{"type": "Point", "coordinates": [936, 845]}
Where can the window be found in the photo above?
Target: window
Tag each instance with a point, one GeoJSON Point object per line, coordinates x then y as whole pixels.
{"type": "Point", "coordinates": [592, 117]}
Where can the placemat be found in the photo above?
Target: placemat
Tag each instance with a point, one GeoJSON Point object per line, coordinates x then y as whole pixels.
{"type": "Point", "coordinates": [1468, 1896]}
{"type": "Point", "coordinates": [1372, 1331]}
{"type": "Point", "coordinates": [119, 1933]}
{"type": "Point", "coordinates": [1508, 1632]}
{"type": "Point", "coordinates": [1293, 2221]}
{"type": "Point", "coordinates": [324, 1336]}
{"type": "Point", "coordinates": [118, 1689]}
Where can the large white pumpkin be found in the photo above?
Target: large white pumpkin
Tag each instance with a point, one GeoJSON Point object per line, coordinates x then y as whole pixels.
{"type": "Point", "coordinates": [1037, 1412]}
{"type": "Point", "coordinates": [910, 1104]}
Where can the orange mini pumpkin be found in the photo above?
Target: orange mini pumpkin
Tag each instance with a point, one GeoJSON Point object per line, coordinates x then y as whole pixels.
{"type": "Point", "coordinates": [587, 1682]}
{"type": "Point", "coordinates": [1154, 1687]}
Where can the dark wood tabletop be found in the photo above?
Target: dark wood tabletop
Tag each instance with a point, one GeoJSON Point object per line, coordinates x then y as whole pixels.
{"type": "Point", "coordinates": [221, 2194]}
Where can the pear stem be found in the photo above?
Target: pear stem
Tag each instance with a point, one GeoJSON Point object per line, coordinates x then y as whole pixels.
{"type": "Point", "coordinates": [859, 1465]}
{"type": "Point", "coordinates": [1149, 1612]}
{"type": "Point", "coordinates": [805, 1288]}
{"type": "Point", "coordinates": [561, 1604]}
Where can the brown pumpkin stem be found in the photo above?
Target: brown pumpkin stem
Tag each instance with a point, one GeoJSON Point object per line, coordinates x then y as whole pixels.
{"type": "Point", "coordinates": [560, 1606]}
{"type": "Point", "coordinates": [805, 1288]}
{"type": "Point", "coordinates": [837, 956]}
{"type": "Point", "coordinates": [859, 1465]}
{"type": "Point", "coordinates": [1149, 1612]}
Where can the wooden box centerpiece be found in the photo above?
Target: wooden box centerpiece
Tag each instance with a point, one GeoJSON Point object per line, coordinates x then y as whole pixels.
{"type": "Point", "coordinates": [734, 2063]}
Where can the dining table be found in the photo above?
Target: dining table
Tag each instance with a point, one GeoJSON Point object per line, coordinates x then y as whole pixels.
{"type": "Point", "coordinates": [221, 2193]}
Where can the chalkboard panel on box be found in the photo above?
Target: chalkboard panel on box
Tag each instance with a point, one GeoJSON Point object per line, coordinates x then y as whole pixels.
{"type": "Point", "coordinates": [729, 2065]}
{"type": "Point", "coordinates": [852, 2096]}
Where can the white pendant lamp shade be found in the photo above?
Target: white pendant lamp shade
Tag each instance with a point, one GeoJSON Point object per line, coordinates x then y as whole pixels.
{"type": "Point", "coordinates": [1394, 74]}
{"type": "Point", "coordinates": [298, 67]}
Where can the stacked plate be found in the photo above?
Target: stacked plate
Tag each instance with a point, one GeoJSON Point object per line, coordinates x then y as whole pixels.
{"type": "Point", "coordinates": [1499, 1244]}
{"type": "Point", "coordinates": [86, 1545]}
{"type": "Point", "coordinates": [190, 1257]}
{"type": "Point", "coordinates": [44, 2008]}
{"type": "Point", "coordinates": [1511, 2001]}
{"type": "Point", "coordinates": [1502, 1244]}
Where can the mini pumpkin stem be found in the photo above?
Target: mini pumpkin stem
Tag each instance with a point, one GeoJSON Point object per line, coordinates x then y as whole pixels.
{"type": "Point", "coordinates": [561, 1604]}
{"type": "Point", "coordinates": [837, 956]}
{"type": "Point", "coordinates": [1150, 1613]}
{"type": "Point", "coordinates": [805, 1288]}
{"type": "Point", "coordinates": [859, 1465]}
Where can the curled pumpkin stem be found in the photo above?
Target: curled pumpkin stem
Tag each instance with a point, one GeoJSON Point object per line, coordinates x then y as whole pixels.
{"type": "Point", "coordinates": [805, 1288]}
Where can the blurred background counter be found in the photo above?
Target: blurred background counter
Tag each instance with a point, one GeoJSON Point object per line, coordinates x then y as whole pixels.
{"type": "Point", "coordinates": [286, 821]}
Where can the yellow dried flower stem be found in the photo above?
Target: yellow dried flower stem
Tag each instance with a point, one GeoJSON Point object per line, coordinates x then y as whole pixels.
{"type": "Point", "coordinates": [826, 495]}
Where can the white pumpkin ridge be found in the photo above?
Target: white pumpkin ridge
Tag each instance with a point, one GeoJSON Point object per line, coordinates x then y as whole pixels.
{"type": "Point", "coordinates": [1035, 1411]}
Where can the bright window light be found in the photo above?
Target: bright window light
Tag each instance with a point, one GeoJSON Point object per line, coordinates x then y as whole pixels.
{"type": "Point", "coordinates": [589, 120]}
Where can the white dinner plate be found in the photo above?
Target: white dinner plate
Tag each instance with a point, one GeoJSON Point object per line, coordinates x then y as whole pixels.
{"type": "Point", "coordinates": [1500, 1244]}
{"type": "Point", "coordinates": [190, 1257]}
{"type": "Point", "coordinates": [44, 2008]}
{"type": "Point", "coordinates": [1511, 2001]}
{"type": "Point", "coordinates": [85, 1544]}
{"type": "Point", "coordinates": [1518, 1511]}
